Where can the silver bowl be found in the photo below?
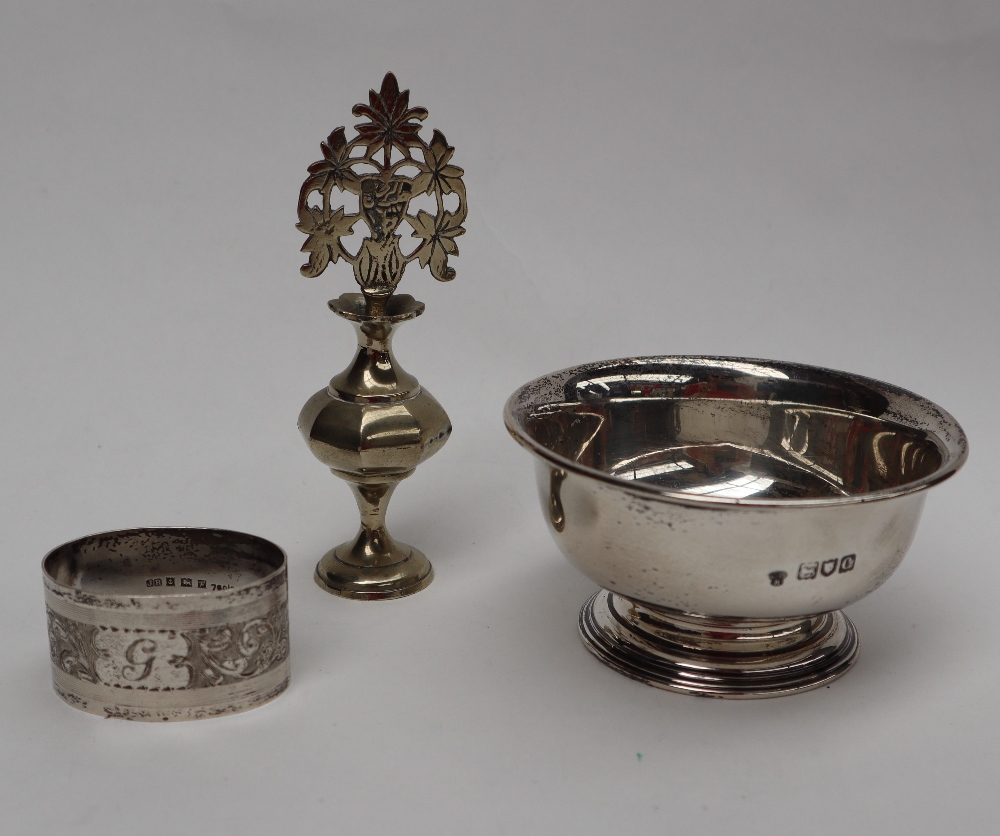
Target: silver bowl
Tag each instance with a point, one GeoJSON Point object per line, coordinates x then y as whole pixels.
{"type": "Point", "coordinates": [729, 508]}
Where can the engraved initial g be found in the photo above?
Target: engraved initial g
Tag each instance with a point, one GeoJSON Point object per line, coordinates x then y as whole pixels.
{"type": "Point", "coordinates": [140, 656]}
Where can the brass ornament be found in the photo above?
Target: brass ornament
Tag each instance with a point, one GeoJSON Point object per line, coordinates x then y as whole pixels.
{"type": "Point", "coordinates": [374, 423]}
{"type": "Point", "coordinates": [364, 167]}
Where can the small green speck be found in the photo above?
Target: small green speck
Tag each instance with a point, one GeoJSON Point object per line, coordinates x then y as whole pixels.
{"type": "Point", "coordinates": [638, 756]}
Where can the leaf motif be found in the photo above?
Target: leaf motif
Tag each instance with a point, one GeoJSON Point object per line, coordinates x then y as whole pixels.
{"type": "Point", "coordinates": [439, 145]}
{"type": "Point", "coordinates": [307, 220]}
{"type": "Point", "coordinates": [451, 225]}
{"type": "Point", "coordinates": [348, 181]}
{"type": "Point", "coordinates": [438, 236]}
{"type": "Point", "coordinates": [439, 265]}
{"type": "Point", "coordinates": [390, 118]}
{"type": "Point", "coordinates": [323, 243]}
{"type": "Point", "coordinates": [336, 143]}
{"type": "Point", "coordinates": [438, 174]}
{"type": "Point", "coordinates": [423, 227]}
{"type": "Point", "coordinates": [319, 258]}
{"type": "Point", "coordinates": [336, 167]}
{"type": "Point", "coordinates": [389, 94]}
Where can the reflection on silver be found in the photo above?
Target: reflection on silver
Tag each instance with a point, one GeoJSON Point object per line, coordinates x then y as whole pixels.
{"type": "Point", "coordinates": [746, 492]}
{"type": "Point", "coordinates": [746, 367]}
{"type": "Point", "coordinates": [632, 384]}
{"type": "Point", "coordinates": [654, 470]}
{"type": "Point", "coordinates": [738, 488]}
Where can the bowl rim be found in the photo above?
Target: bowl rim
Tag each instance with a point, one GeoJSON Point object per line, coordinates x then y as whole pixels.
{"type": "Point", "coordinates": [955, 451]}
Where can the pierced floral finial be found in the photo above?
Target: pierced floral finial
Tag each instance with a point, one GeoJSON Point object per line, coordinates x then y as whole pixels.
{"type": "Point", "coordinates": [384, 184]}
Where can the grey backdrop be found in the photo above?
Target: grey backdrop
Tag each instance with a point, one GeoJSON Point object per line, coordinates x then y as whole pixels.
{"type": "Point", "coordinates": [806, 181]}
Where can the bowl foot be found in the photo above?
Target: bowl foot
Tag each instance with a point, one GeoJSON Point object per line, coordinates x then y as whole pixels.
{"type": "Point", "coordinates": [732, 658]}
{"type": "Point", "coordinates": [372, 583]}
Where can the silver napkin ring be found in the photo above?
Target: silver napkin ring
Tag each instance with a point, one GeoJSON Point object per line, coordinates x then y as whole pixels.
{"type": "Point", "coordinates": [167, 623]}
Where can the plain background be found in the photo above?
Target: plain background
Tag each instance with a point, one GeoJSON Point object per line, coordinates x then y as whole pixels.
{"type": "Point", "coordinates": [817, 182]}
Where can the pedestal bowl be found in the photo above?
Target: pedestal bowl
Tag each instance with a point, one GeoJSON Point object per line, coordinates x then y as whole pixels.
{"type": "Point", "coordinates": [729, 508]}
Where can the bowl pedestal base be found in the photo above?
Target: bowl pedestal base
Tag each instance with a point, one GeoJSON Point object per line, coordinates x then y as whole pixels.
{"type": "Point", "coordinates": [731, 658]}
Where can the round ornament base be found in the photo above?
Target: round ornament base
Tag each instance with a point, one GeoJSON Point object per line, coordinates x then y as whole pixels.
{"type": "Point", "coordinates": [374, 583]}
